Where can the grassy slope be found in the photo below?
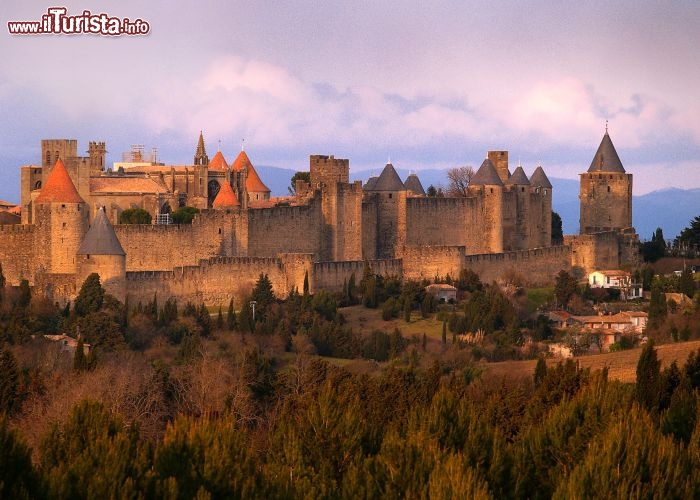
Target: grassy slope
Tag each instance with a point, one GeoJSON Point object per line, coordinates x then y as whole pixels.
{"type": "Point", "coordinates": [621, 365]}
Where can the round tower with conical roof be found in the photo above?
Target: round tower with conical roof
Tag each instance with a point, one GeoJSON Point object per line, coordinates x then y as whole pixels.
{"type": "Point", "coordinates": [101, 252]}
{"type": "Point", "coordinates": [606, 192]}
{"type": "Point", "coordinates": [519, 184]}
{"type": "Point", "coordinates": [61, 219]}
{"type": "Point", "coordinates": [540, 209]}
{"type": "Point", "coordinates": [488, 186]}
{"type": "Point", "coordinates": [390, 195]}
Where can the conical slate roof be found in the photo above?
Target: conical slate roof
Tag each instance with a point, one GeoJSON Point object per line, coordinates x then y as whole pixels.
{"type": "Point", "coordinates": [519, 177]}
{"type": "Point", "coordinates": [389, 180]}
{"type": "Point", "coordinates": [59, 188]}
{"type": "Point", "coordinates": [606, 158]}
{"type": "Point", "coordinates": [226, 198]}
{"type": "Point", "coordinates": [539, 179]}
{"type": "Point", "coordinates": [101, 238]}
{"type": "Point", "coordinates": [414, 185]}
{"type": "Point", "coordinates": [218, 162]}
{"type": "Point", "coordinates": [371, 182]}
{"type": "Point", "coordinates": [253, 184]}
{"type": "Point", "coordinates": [486, 175]}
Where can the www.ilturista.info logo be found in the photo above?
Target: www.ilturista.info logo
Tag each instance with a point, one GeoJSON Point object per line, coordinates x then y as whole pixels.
{"type": "Point", "coordinates": [56, 22]}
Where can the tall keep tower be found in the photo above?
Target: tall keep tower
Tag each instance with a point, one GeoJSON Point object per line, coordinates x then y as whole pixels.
{"type": "Point", "coordinates": [606, 192]}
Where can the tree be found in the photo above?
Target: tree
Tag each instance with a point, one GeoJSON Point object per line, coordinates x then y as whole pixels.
{"type": "Point", "coordinates": [19, 478]}
{"type": "Point", "coordinates": [431, 192]}
{"type": "Point", "coordinates": [689, 238]}
{"type": "Point", "coordinates": [184, 215]}
{"type": "Point", "coordinates": [648, 385]}
{"type": "Point", "coordinates": [557, 232]}
{"type": "Point", "coordinates": [263, 296]}
{"type": "Point", "coordinates": [686, 283]}
{"type": "Point", "coordinates": [2, 284]}
{"type": "Point", "coordinates": [540, 371]}
{"type": "Point", "coordinates": [9, 388]}
{"type": "Point", "coordinates": [94, 455]}
{"type": "Point", "coordinates": [657, 305]}
{"type": "Point", "coordinates": [565, 287]}
{"type": "Point", "coordinates": [458, 181]}
{"type": "Point", "coordinates": [79, 361]}
{"type": "Point", "coordinates": [231, 317]}
{"type": "Point", "coordinates": [135, 216]}
{"type": "Point", "coordinates": [656, 248]}
{"type": "Point", "coordinates": [298, 176]}
{"type": "Point", "coordinates": [90, 297]}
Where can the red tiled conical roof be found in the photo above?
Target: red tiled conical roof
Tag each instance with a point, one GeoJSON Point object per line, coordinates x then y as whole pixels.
{"type": "Point", "coordinates": [253, 184]}
{"type": "Point", "coordinates": [226, 197]}
{"type": "Point", "coordinates": [59, 188]}
{"type": "Point", "coordinates": [218, 162]}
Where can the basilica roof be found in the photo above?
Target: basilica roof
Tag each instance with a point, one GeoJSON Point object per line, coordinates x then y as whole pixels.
{"type": "Point", "coordinates": [126, 185]}
{"type": "Point", "coordinates": [389, 180]}
{"type": "Point", "coordinates": [101, 239]}
{"type": "Point", "coordinates": [519, 177]}
{"type": "Point", "coordinates": [253, 184]}
{"type": "Point", "coordinates": [486, 175]}
{"type": "Point", "coordinates": [414, 185]}
{"type": "Point", "coordinates": [218, 162]}
{"type": "Point", "coordinates": [226, 198]}
{"type": "Point", "coordinates": [539, 179]}
{"type": "Point", "coordinates": [59, 187]}
{"type": "Point", "coordinates": [606, 158]}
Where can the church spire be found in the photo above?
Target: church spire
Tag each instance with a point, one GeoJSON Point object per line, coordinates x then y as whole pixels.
{"type": "Point", "coordinates": [200, 156]}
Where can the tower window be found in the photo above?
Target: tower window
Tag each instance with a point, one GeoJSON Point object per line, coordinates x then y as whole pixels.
{"type": "Point", "coordinates": [608, 189]}
{"type": "Point", "coordinates": [390, 195]}
{"type": "Point", "coordinates": [48, 158]}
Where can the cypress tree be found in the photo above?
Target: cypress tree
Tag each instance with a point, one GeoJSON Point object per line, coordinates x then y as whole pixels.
{"type": "Point", "coordinates": [444, 332]}
{"type": "Point", "coordinates": [540, 371]}
{"type": "Point", "coordinates": [231, 317]}
{"type": "Point", "coordinates": [648, 378]}
{"type": "Point", "coordinates": [90, 297]}
{"type": "Point", "coordinates": [220, 320]}
{"type": "Point", "coordinates": [79, 361]}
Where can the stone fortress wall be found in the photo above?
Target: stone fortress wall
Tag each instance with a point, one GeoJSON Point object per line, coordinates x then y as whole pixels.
{"type": "Point", "coordinates": [327, 233]}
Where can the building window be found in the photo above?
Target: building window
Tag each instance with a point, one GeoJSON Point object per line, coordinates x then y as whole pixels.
{"type": "Point", "coordinates": [48, 158]}
{"type": "Point", "coordinates": [608, 189]}
{"type": "Point", "coordinates": [390, 195]}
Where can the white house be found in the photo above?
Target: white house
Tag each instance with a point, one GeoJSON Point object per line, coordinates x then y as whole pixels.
{"type": "Point", "coordinates": [616, 279]}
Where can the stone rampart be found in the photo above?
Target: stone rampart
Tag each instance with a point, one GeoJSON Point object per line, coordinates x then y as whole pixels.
{"type": "Point", "coordinates": [332, 275]}
{"type": "Point", "coordinates": [428, 262]}
{"type": "Point", "coordinates": [538, 266]}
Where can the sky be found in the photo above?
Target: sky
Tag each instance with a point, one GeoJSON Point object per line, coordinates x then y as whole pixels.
{"type": "Point", "coordinates": [426, 84]}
